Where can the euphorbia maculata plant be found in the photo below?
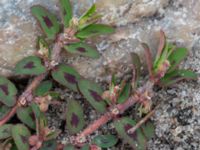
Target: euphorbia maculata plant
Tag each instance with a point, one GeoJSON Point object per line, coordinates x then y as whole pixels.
{"type": "Point", "coordinates": [33, 132]}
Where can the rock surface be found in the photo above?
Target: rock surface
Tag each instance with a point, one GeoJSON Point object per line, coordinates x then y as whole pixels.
{"type": "Point", "coordinates": [178, 121]}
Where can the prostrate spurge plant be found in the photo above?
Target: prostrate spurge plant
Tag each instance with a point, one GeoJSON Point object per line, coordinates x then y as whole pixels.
{"type": "Point", "coordinates": [33, 132]}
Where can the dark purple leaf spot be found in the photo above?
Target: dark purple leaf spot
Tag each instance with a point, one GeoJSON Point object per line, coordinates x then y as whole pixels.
{"type": "Point", "coordinates": [4, 88]}
{"type": "Point", "coordinates": [126, 128]}
{"type": "Point", "coordinates": [81, 49]}
{"type": "Point", "coordinates": [70, 78]}
{"type": "Point", "coordinates": [32, 115]}
{"type": "Point", "coordinates": [74, 120]}
{"type": "Point", "coordinates": [95, 95]}
{"type": "Point", "coordinates": [47, 21]}
{"type": "Point", "coordinates": [29, 65]}
{"type": "Point", "coordinates": [24, 139]}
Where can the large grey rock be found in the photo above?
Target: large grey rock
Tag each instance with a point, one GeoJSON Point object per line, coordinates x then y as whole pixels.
{"type": "Point", "coordinates": [135, 21]}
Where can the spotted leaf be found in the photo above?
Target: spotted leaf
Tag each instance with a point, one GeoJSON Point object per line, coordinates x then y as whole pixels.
{"type": "Point", "coordinates": [176, 57]}
{"type": "Point", "coordinates": [75, 117]}
{"type": "Point", "coordinates": [66, 76]}
{"type": "Point", "coordinates": [5, 131]}
{"type": "Point", "coordinates": [138, 139]}
{"type": "Point", "coordinates": [4, 110]}
{"type": "Point", "coordinates": [21, 134]}
{"type": "Point", "coordinates": [105, 141]}
{"type": "Point", "coordinates": [31, 65]}
{"type": "Point", "coordinates": [66, 11]}
{"type": "Point", "coordinates": [94, 30]}
{"type": "Point", "coordinates": [8, 92]}
{"type": "Point", "coordinates": [26, 115]}
{"type": "Point", "coordinates": [47, 21]}
{"type": "Point", "coordinates": [176, 76]}
{"type": "Point", "coordinates": [49, 145]}
{"type": "Point", "coordinates": [36, 110]}
{"type": "Point", "coordinates": [43, 88]}
{"type": "Point", "coordinates": [82, 49]}
{"type": "Point", "coordinates": [92, 92]}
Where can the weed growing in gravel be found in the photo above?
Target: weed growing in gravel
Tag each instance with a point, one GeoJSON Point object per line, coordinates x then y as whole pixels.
{"type": "Point", "coordinates": [32, 131]}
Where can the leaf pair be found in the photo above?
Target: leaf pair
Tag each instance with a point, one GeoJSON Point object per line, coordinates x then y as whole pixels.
{"type": "Point", "coordinates": [168, 56]}
{"type": "Point", "coordinates": [174, 74]}
{"type": "Point", "coordinates": [69, 77]}
{"type": "Point", "coordinates": [139, 138]}
{"type": "Point", "coordinates": [51, 27]}
{"type": "Point", "coordinates": [19, 133]}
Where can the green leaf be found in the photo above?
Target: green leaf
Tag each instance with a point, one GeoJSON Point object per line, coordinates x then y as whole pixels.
{"type": "Point", "coordinates": [49, 145]}
{"type": "Point", "coordinates": [123, 96]}
{"type": "Point", "coordinates": [137, 140]}
{"type": "Point", "coordinates": [92, 92]}
{"type": "Point", "coordinates": [66, 12]}
{"type": "Point", "coordinates": [69, 147]}
{"type": "Point", "coordinates": [137, 67]}
{"type": "Point", "coordinates": [176, 57]}
{"type": "Point", "coordinates": [54, 95]}
{"type": "Point", "coordinates": [36, 110]}
{"type": "Point", "coordinates": [8, 92]}
{"type": "Point", "coordinates": [105, 141]}
{"type": "Point", "coordinates": [26, 115]}
{"type": "Point", "coordinates": [176, 76]}
{"type": "Point", "coordinates": [4, 110]}
{"type": "Point", "coordinates": [166, 52]}
{"type": "Point", "coordinates": [82, 49]}
{"type": "Point", "coordinates": [88, 17]}
{"type": "Point", "coordinates": [86, 147]}
{"type": "Point", "coordinates": [5, 131]}
{"type": "Point", "coordinates": [43, 121]}
{"type": "Point", "coordinates": [75, 117]}
{"type": "Point", "coordinates": [94, 30]}
{"type": "Point", "coordinates": [47, 20]}
{"type": "Point", "coordinates": [43, 88]}
{"type": "Point", "coordinates": [52, 135]}
{"type": "Point", "coordinates": [21, 135]}
{"type": "Point", "coordinates": [148, 129]}
{"type": "Point", "coordinates": [66, 76]}
{"type": "Point", "coordinates": [87, 14]}
{"type": "Point", "coordinates": [31, 65]}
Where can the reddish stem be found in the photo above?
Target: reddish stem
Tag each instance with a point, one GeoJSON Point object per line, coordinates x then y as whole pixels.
{"type": "Point", "coordinates": [9, 115]}
{"type": "Point", "coordinates": [148, 57]}
{"type": "Point", "coordinates": [119, 109]}
{"type": "Point", "coordinates": [27, 95]}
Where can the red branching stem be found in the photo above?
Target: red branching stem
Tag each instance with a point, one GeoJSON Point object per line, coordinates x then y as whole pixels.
{"type": "Point", "coordinates": [9, 115]}
{"type": "Point", "coordinates": [127, 104]}
{"type": "Point", "coordinates": [142, 121]}
{"type": "Point", "coordinates": [119, 109]}
{"type": "Point", "coordinates": [93, 127]}
{"type": "Point", "coordinates": [27, 95]}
